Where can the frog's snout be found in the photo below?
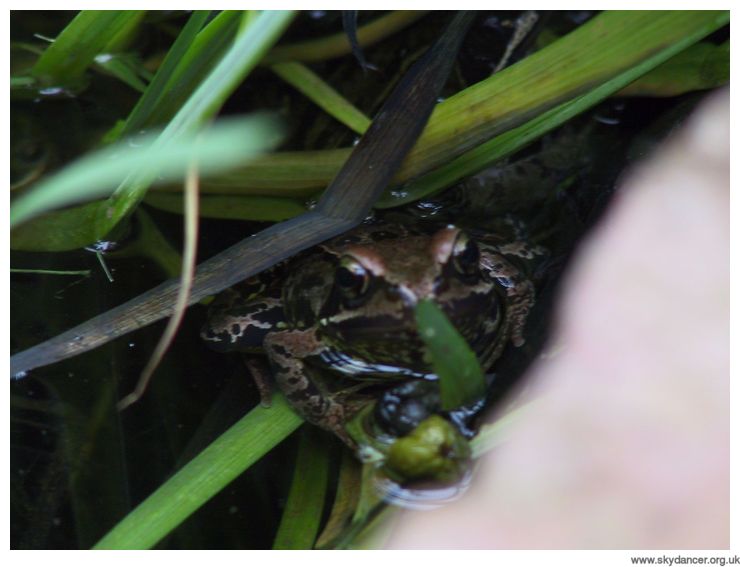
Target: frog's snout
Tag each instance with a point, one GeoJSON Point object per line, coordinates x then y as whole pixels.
{"type": "Point", "coordinates": [408, 295]}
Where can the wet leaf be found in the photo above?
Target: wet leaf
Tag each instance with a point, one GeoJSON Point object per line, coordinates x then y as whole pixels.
{"type": "Point", "coordinates": [461, 379]}
{"type": "Point", "coordinates": [96, 174]}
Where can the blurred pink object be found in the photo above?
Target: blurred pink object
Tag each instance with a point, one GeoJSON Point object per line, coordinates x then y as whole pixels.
{"type": "Point", "coordinates": [628, 447]}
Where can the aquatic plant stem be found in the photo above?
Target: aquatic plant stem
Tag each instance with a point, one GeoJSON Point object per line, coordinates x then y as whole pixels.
{"type": "Point", "coordinates": [183, 295]}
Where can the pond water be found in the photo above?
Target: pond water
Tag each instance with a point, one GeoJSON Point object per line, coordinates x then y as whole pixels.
{"type": "Point", "coordinates": [77, 465]}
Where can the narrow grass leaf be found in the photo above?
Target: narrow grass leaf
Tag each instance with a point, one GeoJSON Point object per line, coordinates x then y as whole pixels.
{"type": "Point", "coordinates": [702, 66]}
{"type": "Point", "coordinates": [606, 47]}
{"type": "Point", "coordinates": [321, 93]}
{"type": "Point", "coordinates": [203, 477]}
{"type": "Point", "coordinates": [461, 379]}
{"type": "Point", "coordinates": [224, 145]}
{"type": "Point", "coordinates": [345, 501]}
{"type": "Point", "coordinates": [338, 44]}
{"type": "Point", "coordinates": [594, 53]}
{"type": "Point", "coordinates": [304, 508]}
{"type": "Point", "coordinates": [50, 272]}
{"type": "Point", "coordinates": [233, 67]}
{"type": "Point", "coordinates": [145, 108]}
{"type": "Point", "coordinates": [517, 138]}
{"type": "Point", "coordinates": [231, 206]}
{"type": "Point", "coordinates": [126, 69]}
{"type": "Point", "coordinates": [187, 62]}
{"type": "Point", "coordinates": [90, 33]}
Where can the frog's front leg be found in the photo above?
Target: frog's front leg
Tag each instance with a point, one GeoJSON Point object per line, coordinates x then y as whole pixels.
{"type": "Point", "coordinates": [302, 385]}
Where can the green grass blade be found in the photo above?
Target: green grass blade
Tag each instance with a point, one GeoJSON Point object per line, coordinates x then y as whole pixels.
{"type": "Point", "coordinates": [345, 501]}
{"type": "Point", "coordinates": [608, 46]}
{"type": "Point", "coordinates": [247, 51]}
{"type": "Point", "coordinates": [194, 65]}
{"type": "Point", "coordinates": [124, 68]}
{"type": "Point", "coordinates": [461, 379]}
{"type": "Point", "coordinates": [702, 66]}
{"type": "Point", "coordinates": [231, 206]}
{"type": "Point", "coordinates": [50, 272]}
{"type": "Point", "coordinates": [145, 108]}
{"type": "Point", "coordinates": [301, 517]}
{"type": "Point", "coordinates": [194, 484]}
{"type": "Point", "coordinates": [90, 223]}
{"type": "Point", "coordinates": [234, 66]}
{"type": "Point", "coordinates": [338, 44]}
{"type": "Point", "coordinates": [594, 53]}
{"type": "Point", "coordinates": [517, 138]}
{"type": "Point", "coordinates": [223, 145]}
{"type": "Point", "coordinates": [321, 93]}
{"type": "Point", "coordinates": [91, 32]}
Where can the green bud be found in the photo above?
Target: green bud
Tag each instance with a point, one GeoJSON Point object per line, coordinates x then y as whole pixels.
{"type": "Point", "coordinates": [435, 450]}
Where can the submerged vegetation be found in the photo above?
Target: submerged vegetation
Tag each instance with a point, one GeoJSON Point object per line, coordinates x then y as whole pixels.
{"type": "Point", "coordinates": [267, 107]}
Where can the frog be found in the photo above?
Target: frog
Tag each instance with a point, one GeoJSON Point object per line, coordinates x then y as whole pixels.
{"type": "Point", "coordinates": [340, 318]}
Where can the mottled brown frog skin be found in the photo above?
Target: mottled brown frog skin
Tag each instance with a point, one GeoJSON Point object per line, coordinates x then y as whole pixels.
{"type": "Point", "coordinates": [342, 315]}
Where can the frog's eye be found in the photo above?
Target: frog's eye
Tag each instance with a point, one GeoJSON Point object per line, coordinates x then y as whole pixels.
{"type": "Point", "coordinates": [352, 278]}
{"type": "Point", "coordinates": [465, 255]}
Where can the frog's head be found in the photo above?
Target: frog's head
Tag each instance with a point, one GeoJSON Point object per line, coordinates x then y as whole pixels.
{"type": "Point", "coordinates": [378, 284]}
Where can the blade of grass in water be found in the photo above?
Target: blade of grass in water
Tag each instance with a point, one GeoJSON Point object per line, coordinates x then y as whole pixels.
{"type": "Point", "coordinates": [232, 206]}
{"type": "Point", "coordinates": [303, 510]}
{"type": "Point", "coordinates": [702, 66]}
{"type": "Point", "coordinates": [50, 272]}
{"type": "Point", "coordinates": [311, 85]}
{"type": "Point", "coordinates": [199, 480]}
{"type": "Point", "coordinates": [146, 106]}
{"type": "Point", "coordinates": [512, 141]}
{"type": "Point", "coordinates": [91, 32]}
{"type": "Point", "coordinates": [608, 46]}
{"type": "Point", "coordinates": [345, 501]}
{"type": "Point", "coordinates": [223, 145]}
{"type": "Point", "coordinates": [460, 376]}
{"type": "Point", "coordinates": [302, 173]}
{"type": "Point", "coordinates": [247, 51]}
{"type": "Point", "coordinates": [338, 44]}
{"type": "Point", "coordinates": [127, 69]}
{"type": "Point", "coordinates": [92, 222]}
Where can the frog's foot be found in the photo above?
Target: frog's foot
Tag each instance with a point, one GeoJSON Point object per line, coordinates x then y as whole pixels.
{"type": "Point", "coordinates": [262, 379]}
{"type": "Point", "coordinates": [328, 412]}
{"type": "Point", "coordinates": [304, 385]}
